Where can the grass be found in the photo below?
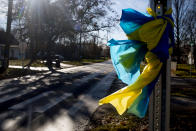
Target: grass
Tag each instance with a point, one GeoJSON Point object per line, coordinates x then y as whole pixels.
{"type": "Point", "coordinates": [178, 94]}
{"type": "Point", "coordinates": [93, 60]}
{"type": "Point", "coordinates": [114, 122]}
{"type": "Point", "coordinates": [185, 74]}
{"type": "Point", "coordinates": [185, 70]}
{"type": "Point", "coordinates": [36, 63]}
{"type": "Point", "coordinates": [12, 73]}
{"type": "Point", "coordinates": [185, 66]}
{"type": "Point", "coordinates": [185, 91]}
{"type": "Point", "coordinates": [182, 120]}
{"type": "Point", "coordinates": [107, 119]}
{"type": "Point", "coordinates": [84, 61]}
{"type": "Point", "coordinates": [76, 63]}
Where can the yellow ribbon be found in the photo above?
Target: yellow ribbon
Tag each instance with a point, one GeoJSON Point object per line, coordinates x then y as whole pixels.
{"type": "Point", "coordinates": [150, 33]}
{"type": "Point", "coordinates": [123, 98]}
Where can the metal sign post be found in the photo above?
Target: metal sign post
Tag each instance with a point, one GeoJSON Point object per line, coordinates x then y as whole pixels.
{"type": "Point", "coordinates": [159, 106]}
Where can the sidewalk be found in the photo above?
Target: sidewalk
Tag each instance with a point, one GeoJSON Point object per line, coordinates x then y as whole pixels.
{"type": "Point", "coordinates": [41, 68]}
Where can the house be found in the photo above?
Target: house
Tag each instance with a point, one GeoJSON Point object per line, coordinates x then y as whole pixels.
{"type": "Point", "coordinates": [105, 52]}
{"type": "Point", "coordinates": [187, 54]}
{"type": "Point", "coordinates": [14, 46]}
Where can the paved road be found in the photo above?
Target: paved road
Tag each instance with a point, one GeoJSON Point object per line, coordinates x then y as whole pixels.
{"type": "Point", "coordinates": [183, 81]}
{"type": "Point", "coordinates": [188, 102]}
{"type": "Point", "coordinates": [42, 68]}
{"type": "Point", "coordinates": [54, 101]}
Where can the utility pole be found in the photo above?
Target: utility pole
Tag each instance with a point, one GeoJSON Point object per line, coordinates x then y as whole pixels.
{"type": "Point", "coordinates": [8, 30]}
{"type": "Point", "coordinates": [159, 106]}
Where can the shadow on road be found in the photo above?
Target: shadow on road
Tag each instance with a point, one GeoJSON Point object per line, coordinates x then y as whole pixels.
{"type": "Point", "coordinates": [60, 82]}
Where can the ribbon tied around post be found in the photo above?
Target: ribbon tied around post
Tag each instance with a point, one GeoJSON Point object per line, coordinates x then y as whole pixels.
{"type": "Point", "coordinates": [150, 38]}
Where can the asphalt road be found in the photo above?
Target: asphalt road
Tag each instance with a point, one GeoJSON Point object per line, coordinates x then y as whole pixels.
{"type": "Point", "coordinates": [54, 101]}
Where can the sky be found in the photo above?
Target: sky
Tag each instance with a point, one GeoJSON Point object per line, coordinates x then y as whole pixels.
{"type": "Point", "coordinates": [139, 5]}
{"type": "Point", "coordinates": [2, 20]}
{"type": "Point", "coordinates": [116, 33]}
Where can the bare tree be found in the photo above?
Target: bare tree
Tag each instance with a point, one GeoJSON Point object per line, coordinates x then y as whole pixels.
{"type": "Point", "coordinates": [46, 23]}
{"type": "Point", "coordinates": [90, 17]}
{"type": "Point", "coordinates": [191, 27]}
{"type": "Point", "coordinates": [179, 14]}
{"type": "Point", "coordinates": [5, 62]}
{"type": "Point", "coordinates": [42, 23]}
{"type": "Point", "coordinates": [191, 22]}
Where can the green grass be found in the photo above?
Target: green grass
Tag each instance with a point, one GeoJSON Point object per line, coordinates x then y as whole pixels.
{"type": "Point", "coordinates": [185, 74]}
{"type": "Point", "coordinates": [185, 70]}
{"type": "Point", "coordinates": [36, 63]}
{"type": "Point", "coordinates": [185, 66]}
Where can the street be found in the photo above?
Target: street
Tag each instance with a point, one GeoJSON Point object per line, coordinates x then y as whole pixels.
{"type": "Point", "coordinates": [62, 100]}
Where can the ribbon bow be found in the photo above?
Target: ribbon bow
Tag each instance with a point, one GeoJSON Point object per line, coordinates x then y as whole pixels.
{"type": "Point", "coordinates": [148, 36]}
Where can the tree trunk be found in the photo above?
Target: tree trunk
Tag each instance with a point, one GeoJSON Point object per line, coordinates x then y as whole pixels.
{"type": "Point", "coordinates": [49, 56]}
{"type": "Point", "coordinates": [5, 63]}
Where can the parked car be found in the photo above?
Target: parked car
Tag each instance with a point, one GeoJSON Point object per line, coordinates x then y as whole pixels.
{"type": "Point", "coordinates": [61, 58]}
{"type": "Point", "coordinates": [57, 58]}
